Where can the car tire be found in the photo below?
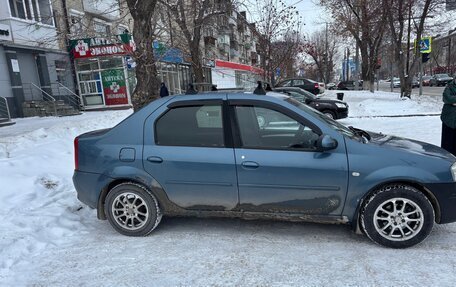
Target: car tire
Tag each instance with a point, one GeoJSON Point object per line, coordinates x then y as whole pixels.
{"type": "Point", "coordinates": [397, 216]}
{"type": "Point", "coordinates": [330, 114]}
{"type": "Point", "coordinates": [132, 209]}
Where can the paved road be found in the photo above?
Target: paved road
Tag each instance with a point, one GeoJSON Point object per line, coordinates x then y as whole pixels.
{"type": "Point", "coordinates": [429, 91]}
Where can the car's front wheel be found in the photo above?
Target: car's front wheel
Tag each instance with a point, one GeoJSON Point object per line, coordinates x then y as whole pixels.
{"type": "Point", "coordinates": [132, 209]}
{"type": "Point", "coordinates": [397, 216]}
{"type": "Point", "coordinates": [330, 114]}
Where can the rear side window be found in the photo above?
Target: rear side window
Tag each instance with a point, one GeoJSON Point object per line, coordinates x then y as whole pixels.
{"type": "Point", "coordinates": [197, 126]}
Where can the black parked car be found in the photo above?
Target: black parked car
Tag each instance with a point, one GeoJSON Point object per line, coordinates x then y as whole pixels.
{"type": "Point", "coordinates": [306, 84]}
{"type": "Point", "coordinates": [349, 85]}
{"type": "Point", "coordinates": [439, 80]}
{"type": "Point", "coordinates": [334, 109]}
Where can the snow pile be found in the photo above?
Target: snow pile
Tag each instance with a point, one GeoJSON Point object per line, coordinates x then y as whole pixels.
{"type": "Point", "coordinates": [38, 203]}
{"type": "Point", "coordinates": [367, 104]}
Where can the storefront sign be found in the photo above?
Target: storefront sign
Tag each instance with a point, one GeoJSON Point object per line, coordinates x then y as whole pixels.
{"type": "Point", "coordinates": [237, 66]}
{"type": "Point", "coordinates": [5, 33]}
{"type": "Point", "coordinates": [114, 87]}
{"type": "Point", "coordinates": [166, 54]}
{"type": "Point", "coordinates": [95, 47]}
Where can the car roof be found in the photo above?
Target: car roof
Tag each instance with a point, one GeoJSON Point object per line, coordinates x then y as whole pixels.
{"type": "Point", "coordinates": [223, 96]}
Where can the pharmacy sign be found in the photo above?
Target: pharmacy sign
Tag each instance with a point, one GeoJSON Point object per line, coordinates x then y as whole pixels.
{"type": "Point", "coordinates": [114, 87]}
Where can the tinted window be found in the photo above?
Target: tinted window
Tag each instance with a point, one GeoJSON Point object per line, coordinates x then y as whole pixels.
{"type": "Point", "coordinates": [199, 126]}
{"type": "Point", "coordinates": [285, 83]}
{"type": "Point", "coordinates": [298, 82]}
{"type": "Point", "coordinates": [269, 129]}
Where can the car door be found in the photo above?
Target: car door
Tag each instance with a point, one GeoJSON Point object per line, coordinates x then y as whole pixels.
{"type": "Point", "coordinates": [279, 168]}
{"type": "Point", "coordinates": [186, 153]}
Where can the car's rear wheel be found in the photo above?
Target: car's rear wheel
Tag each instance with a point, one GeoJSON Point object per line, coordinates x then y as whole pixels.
{"type": "Point", "coordinates": [397, 216]}
{"type": "Point", "coordinates": [132, 209]}
{"type": "Point", "coordinates": [330, 114]}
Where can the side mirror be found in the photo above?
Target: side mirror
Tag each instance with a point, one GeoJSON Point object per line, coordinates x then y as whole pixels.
{"type": "Point", "coordinates": [326, 142]}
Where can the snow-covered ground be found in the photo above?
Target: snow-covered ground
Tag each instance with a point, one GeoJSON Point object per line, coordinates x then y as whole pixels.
{"type": "Point", "coordinates": [48, 238]}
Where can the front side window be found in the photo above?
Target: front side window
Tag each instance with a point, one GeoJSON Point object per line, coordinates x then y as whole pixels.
{"type": "Point", "coordinates": [264, 128]}
{"type": "Point", "coordinates": [196, 126]}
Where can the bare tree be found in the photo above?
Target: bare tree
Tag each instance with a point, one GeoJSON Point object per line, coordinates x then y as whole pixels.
{"type": "Point", "coordinates": [365, 21]}
{"type": "Point", "coordinates": [322, 48]}
{"type": "Point", "coordinates": [147, 85]}
{"type": "Point", "coordinates": [191, 16]}
{"type": "Point", "coordinates": [406, 18]}
{"type": "Point", "coordinates": [284, 56]}
{"type": "Point", "coordinates": [278, 24]}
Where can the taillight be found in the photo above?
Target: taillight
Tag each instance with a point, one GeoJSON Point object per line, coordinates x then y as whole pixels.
{"type": "Point", "coordinates": [76, 151]}
{"type": "Point", "coordinates": [316, 85]}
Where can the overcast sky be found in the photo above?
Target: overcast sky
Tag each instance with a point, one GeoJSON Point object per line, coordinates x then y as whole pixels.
{"type": "Point", "coordinates": [313, 15]}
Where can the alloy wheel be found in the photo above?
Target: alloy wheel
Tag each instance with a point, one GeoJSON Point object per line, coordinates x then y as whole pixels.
{"type": "Point", "coordinates": [130, 211]}
{"type": "Point", "coordinates": [398, 219]}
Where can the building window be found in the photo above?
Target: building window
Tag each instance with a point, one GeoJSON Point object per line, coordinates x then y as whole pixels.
{"type": "Point", "coordinates": [61, 70]}
{"type": "Point", "coordinates": [76, 25]}
{"type": "Point", "coordinates": [17, 8]}
{"type": "Point", "coordinates": [101, 28]}
{"type": "Point", "coordinates": [44, 9]}
{"type": "Point", "coordinates": [122, 29]}
{"type": "Point", "coordinates": [36, 10]}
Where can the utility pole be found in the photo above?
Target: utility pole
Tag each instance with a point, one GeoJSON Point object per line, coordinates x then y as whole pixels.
{"type": "Point", "coordinates": [348, 64]}
{"type": "Point", "coordinates": [326, 56]}
{"type": "Point", "coordinates": [421, 76]}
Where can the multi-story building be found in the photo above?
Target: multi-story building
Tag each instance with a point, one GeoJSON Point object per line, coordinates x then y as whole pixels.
{"type": "Point", "coordinates": [235, 59]}
{"type": "Point", "coordinates": [31, 58]}
{"type": "Point", "coordinates": [82, 47]}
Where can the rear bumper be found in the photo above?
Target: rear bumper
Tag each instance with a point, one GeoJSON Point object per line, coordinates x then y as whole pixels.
{"type": "Point", "coordinates": [445, 194]}
{"type": "Point", "coordinates": [89, 185]}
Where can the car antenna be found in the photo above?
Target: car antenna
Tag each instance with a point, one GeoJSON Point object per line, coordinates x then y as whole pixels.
{"type": "Point", "coordinates": [259, 89]}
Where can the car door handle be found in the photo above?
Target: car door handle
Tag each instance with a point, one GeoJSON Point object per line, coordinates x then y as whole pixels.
{"type": "Point", "coordinates": [155, 159]}
{"type": "Point", "coordinates": [250, 164]}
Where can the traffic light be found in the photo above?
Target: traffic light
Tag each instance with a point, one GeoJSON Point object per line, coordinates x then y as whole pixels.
{"type": "Point", "coordinates": [425, 57]}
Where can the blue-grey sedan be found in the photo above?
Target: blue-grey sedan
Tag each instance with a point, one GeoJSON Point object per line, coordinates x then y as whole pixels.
{"type": "Point", "coordinates": [251, 156]}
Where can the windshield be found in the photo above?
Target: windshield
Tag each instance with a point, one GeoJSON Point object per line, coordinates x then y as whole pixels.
{"type": "Point", "coordinates": [332, 123]}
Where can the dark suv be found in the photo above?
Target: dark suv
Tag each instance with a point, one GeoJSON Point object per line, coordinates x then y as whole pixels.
{"type": "Point", "coordinates": [306, 84]}
{"type": "Point", "coordinates": [334, 109]}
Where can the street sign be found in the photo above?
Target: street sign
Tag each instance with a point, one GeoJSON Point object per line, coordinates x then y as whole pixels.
{"type": "Point", "coordinates": [425, 45]}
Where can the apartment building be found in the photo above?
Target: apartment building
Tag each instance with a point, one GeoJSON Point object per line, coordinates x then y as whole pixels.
{"type": "Point", "coordinates": [231, 51]}
{"type": "Point", "coordinates": [79, 50]}
{"type": "Point", "coordinates": [31, 57]}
